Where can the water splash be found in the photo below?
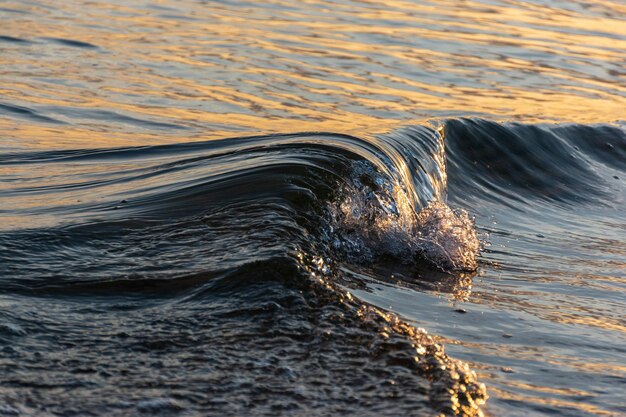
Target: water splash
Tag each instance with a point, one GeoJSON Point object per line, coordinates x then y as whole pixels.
{"type": "Point", "coordinates": [447, 237]}
{"type": "Point", "coordinates": [374, 217]}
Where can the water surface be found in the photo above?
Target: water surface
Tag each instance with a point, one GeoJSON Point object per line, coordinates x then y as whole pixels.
{"type": "Point", "coordinates": [449, 227]}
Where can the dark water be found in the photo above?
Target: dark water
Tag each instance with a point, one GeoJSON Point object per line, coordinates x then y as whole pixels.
{"type": "Point", "coordinates": [425, 254]}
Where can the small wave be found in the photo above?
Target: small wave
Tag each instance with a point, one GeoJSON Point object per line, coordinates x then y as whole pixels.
{"type": "Point", "coordinates": [73, 43]}
{"type": "Point", "coordinates": [264, 230]}
{"type": "Point", "coordinates": [27, 113]}
{"type": "Point", "coordinates": [4, 38]}
{"type": "Point", "coordinates": [105, 115]}
{"type": "Point", "coordinates": [241, 225]}
{"type": "Point", "coordinates": [525, 165]}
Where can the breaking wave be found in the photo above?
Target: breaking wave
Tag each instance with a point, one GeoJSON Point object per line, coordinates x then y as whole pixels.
{"type": "Point", "coordinates": [229, 255]}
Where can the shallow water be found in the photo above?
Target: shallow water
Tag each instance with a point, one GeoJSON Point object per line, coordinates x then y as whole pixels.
{"type": "Point", "coordinates": [170, 242]}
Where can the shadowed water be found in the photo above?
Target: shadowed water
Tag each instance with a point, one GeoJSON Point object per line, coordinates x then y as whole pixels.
{"type": "Point", "coordinates": [171, 243]}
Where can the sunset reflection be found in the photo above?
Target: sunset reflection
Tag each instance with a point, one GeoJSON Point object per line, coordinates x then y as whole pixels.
{"type": "Point", "coordinates": [216, 70]}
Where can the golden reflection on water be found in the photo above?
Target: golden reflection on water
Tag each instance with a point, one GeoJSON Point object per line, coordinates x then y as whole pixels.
{"type": "Point", "coordinates": [588, 409]}
{"type": "Point", "coordinates": [507, 387]}
{"type": "Point", "coordinates": [219, 70]}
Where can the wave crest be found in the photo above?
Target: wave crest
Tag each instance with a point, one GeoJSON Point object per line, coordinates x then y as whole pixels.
{"type": "Point", "coordinates": [373, 217]}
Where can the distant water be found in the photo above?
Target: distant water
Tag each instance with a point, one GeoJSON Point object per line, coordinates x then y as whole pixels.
{"type": "Point", "coordinates": [312, 208]}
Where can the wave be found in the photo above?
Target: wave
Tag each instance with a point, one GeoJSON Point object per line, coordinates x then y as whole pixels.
{"type": "Point", "coordinates": [263, 229]}
{"type": "Point", "coordinates": [524, 165]}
